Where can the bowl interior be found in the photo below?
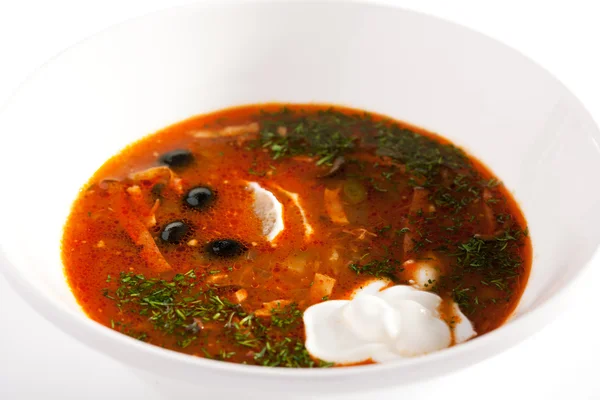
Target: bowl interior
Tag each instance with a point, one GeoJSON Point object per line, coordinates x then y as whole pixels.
{"type": "Point", "coordinates": [138, 77]}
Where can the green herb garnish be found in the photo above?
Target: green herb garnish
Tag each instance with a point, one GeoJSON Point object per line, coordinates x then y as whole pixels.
{"type": "Point", "coordinates": [422, 156]}
{"type": "Point", "coordinates": [493, 258]}
{"type": "Point", "coordinates": [387, 268]}
{"type": "Point", "coordinates": [498, 262]}
{"type": "Point", "coordinates": [324, 135]}
{"type": "Point", "coordinates": [179, 308]}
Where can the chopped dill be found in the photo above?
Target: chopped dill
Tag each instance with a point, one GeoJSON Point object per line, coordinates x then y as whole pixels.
{"type": "Point", "coordinates": [422, 156]}
{"type": "Point", "coordinates": [497, 258]}
{"type": "Point", "coordinates": [324, 135]}
{"type": "Point", "coordinates": [384, 268]}
{"type": "Point", "coordinates": [177, 307]}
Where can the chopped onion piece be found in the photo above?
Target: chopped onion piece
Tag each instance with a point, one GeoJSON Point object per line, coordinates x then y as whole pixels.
{"type": "Point", "coordinates": [322, 287]}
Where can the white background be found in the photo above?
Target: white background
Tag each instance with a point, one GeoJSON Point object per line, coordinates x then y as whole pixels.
{"type": "Point", "coordinates": [39, 361]}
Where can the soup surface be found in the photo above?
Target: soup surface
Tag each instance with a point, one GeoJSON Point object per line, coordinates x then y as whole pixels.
{"type": "Point", "coordinates": [214, 235]}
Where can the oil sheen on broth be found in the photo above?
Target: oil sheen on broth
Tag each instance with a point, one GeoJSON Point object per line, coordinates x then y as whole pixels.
{"type": "Point", "coordinates": [213, 237]}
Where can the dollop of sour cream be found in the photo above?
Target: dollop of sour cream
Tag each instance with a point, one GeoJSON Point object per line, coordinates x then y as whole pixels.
{"type": "Point", "coordinates": [382, 325]}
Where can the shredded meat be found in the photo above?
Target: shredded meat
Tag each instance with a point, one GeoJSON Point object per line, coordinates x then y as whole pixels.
{"type": "Point", "coordinates": [124, 210]}
{"type": "Point", "coordinates": [334, 207]}
{"type": "Point", "coordinates": [159, 175]}
{"type": "Point", "coordinates": [234, 130]}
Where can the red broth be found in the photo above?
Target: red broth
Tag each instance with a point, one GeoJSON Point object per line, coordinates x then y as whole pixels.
{"type": "Point", "coordinates": [163, 244]}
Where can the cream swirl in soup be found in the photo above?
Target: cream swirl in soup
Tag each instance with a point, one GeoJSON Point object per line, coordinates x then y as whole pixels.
{"type": "Point", "coordinates": [383, 325]}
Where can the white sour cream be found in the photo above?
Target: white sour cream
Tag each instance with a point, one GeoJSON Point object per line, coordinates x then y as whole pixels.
{"type": "Point", "coordinates": [381, 325]}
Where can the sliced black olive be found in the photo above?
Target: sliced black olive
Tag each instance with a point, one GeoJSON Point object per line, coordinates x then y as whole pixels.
{"type": "Point", "coordinates": [226, 248]}
{"type": "Point", "coordinates": [175, 232]}
{"type": "Point", "coordinates": [199, 197]}
{"type": "Point", "coordinates": [177, 158]}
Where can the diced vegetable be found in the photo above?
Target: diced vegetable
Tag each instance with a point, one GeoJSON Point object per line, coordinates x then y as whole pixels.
{"type": "Point", "coordinates": [246, 277]}
{"type": "Point", "coordinates": [297, 262]}
{"type": "Point", "coordinates": [354, 191]}
{"type": "Point", "coordinates": [216, 278]}
{"type": "Point", "coordinates": [282, 131]}
{"type": "Point", "coordinates": [267, 308]}
{"type": "Point", "coordinates": [304, 159]}
{"type": "Point", "coordinates": [322, 287]}
{"type": "Point", "coordinates": [135, 192]}
{"type": "Point", "coordinates": [241, 295]}
{"type": "Point", "coordinates": [334, 255]}
{"type": "Point", "coordinates": [175, 183]}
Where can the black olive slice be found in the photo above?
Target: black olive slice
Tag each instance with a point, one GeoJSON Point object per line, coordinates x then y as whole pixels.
{"type": "Point", "coordinates": [177, 158]}
{"type": "Point", "coordinates": [199, 197]}
{"type": "Point", "coordinates": [226, 248]}
{"type": "Point", "coordinates": [175, 232]}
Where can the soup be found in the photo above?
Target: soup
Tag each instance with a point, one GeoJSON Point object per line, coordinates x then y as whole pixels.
{"type": "Point", "coordinates": [296, 236]}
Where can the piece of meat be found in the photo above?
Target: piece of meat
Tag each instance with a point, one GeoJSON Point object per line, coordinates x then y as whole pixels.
{"type": "Point", "coordinates": [158, 175]}
{"type": "Point", "coordinates": [124, 210]}
{"type": "Point", "coordinates": [308, 229]}
{"type": "Point", "coordinates": [336, 167]}
{"type": "Point", "coordinates": [334, 206]}
{"type": "Point", "coordinates": [250, 129]}
{"type": "Point", "coordinates": [146, 213]}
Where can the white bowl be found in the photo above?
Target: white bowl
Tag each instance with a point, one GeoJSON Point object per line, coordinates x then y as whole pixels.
{"type": "Point", "coordinates": [135, 78]}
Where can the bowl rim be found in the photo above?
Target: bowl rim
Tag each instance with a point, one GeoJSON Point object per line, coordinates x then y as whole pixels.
{"type": "Point", "coordinates": [53, 311]}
